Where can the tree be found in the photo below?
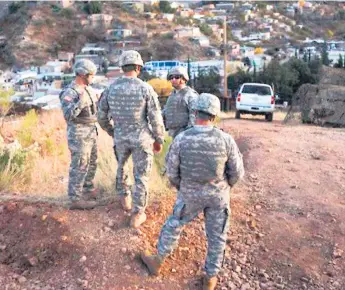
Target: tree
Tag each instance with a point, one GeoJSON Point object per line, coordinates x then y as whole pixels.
{"type": "Point", "coordinates": [206, 29]}
{"type": "Point", "coordinates": [324, 55]}
{"type": "Point", "coordinates": [165, 7]}
{"type": "Point", "coordinates": [340, 62]}
{"type": "Point", "coordinates": [93, 7]}
{"type": "Point", "coordinates": [207, 81]}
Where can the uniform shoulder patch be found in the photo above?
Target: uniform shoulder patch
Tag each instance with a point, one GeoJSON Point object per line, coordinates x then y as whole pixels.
{"type": "Point", "coordinates": [67, 99]}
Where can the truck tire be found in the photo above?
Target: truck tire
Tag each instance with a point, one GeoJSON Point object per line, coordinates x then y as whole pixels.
{"type": "Point", "coordinates": [269, 117]}
{"type": "Point", "coordinates": [238, 115]}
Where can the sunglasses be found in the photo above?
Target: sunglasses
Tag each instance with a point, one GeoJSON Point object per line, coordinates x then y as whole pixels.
{"type": "Point", "coordinates": [176, 77]}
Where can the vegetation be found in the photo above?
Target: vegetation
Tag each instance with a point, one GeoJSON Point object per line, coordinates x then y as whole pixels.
{"type": "Point", "coordinates": [207, 82]}
{"type": "Point", "coordinates": [15, 6]}
{"type": "Point", "coordinates": [285, 78]}
{"type": "Point", "coordinates": [93, 7]}
{"type": "Point", "coordinates": [165, 7]}
{"type": "Point", "coordinates": [206, 29]}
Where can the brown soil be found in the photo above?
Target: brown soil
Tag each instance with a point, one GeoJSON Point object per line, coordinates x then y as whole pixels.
{"type": "Point", "coordinates": [287, 221]}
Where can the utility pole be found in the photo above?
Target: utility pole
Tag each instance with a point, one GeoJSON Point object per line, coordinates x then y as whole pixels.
{"type": "Point", "coordinates": [225, 59]}
{"type": "Point", "coordinates": [225, 52]}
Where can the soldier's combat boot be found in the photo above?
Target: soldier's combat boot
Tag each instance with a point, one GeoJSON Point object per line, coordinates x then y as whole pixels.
{"type": "Point", "coordinates": [126, 202]}
{"type": "Point", "coordinates": [209, 283]}
{"type": "Point", "coordinates": [137, 219]}
{"type": "Point", "coordinates": [153, 262]}
{"type": "Point", "coordinates": [82, 204]}
{"type": "Point", "coordinates": [90, 194]}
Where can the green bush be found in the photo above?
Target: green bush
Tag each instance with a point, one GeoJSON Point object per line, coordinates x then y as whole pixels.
{"type": "Point", "coordinates": [15, 6]}
{"type": "Point", "coordinates": [67, 13]}
{"type": "Point", "coordinates": [93, 7]}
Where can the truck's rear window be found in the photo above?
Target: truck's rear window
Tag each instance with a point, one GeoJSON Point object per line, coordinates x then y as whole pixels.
{"type": "Point", "coordinates": [260, 90]}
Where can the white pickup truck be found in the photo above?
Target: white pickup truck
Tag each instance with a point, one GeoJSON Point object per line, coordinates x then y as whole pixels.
{"type": "Point", "coordinates": [255, 99]}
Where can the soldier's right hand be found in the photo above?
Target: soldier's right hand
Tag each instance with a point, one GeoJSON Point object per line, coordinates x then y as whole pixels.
{"type": "Point", "coordinates": [157, 147]}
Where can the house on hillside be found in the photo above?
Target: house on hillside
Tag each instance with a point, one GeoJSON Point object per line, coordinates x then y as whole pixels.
{"type": "Point", "coordinates": [65, 56]}
{"type": "Point", "coordinates": [118, 34]}
{"type": "Point", "coordinates": [189, 31]}
{"type": "Point", "coordinates": [100, 20]}
{"type": "Point", "coordinates": [65, 3]}
{"type": "Point", "coordinates": [54, 67]}
{"type": "Point", "coordinates": [168, 16]}
{"type": "Point", "coordinates": [202, 41]}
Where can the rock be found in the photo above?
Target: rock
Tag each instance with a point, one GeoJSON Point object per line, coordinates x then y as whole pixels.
{"type": "Point", "coordinates": [107, 229]}
{"type": "Point", "coordinates": [305, 279]}
{"type": "Point", "coordinates": [127, 267]}
{"type": "Point", "coordinates": [246, 286]}
{"type": "Point", "coordinates": [257, 207]}
{"type": "Point", "coordinates": [29, 210]}
{"type": "Point", "coordinates": [279, 279]}
{"type": "Point", "coordinates": [83, 283]}
{"type": "Point", "coordinates": [123, 250]}
{"type": "Point", "coordinates": [337, 253]}
{"type": "Point", "coordinates": [264, 277]}
{"type": "Point", "coordinates": [3, 247]}
{"type": "Point", "coordinates": [82, 259]}
{"type": "Point", "coordinates": [280, 286]}
{"type": "Point", "coordinates": [230, 285]}
{"type": "Point", "coordinates": [237, 269]}
{"type": "Point", "coordinates": [22, 279]}
{"type": "Point", "coordinates": [33, 261]}
{"type": "Point", "coordinates": [263, 286]}
{"type": "Point", "coordinates": [2, 208]}
{"type": "Point", "coordinates": [44, 217]}
{"type": "Point", "coordinates": [173, 270]}
{"type": "Point", "coordinates": [111, 224]}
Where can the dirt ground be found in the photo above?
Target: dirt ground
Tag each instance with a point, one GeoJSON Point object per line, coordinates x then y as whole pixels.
{"type": "Point", "coordinates": [288, 226]}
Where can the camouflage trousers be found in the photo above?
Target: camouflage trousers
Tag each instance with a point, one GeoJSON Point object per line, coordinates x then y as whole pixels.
{"type": "Point", "coordinates": [83, 161]}
{"type": "Point", "coordinates": [216, 226]}
{"type": "Point", "coordinates": [142, 166]}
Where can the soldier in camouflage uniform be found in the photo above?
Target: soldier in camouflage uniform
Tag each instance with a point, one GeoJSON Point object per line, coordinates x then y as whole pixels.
{"type": "Point", "coordinates": [138, 131]}
{"type": "Point", "coordinates": [203, 164]}
{"type": "Point", "coordinates": [179, 111]}
{"type": "Point", "coordinates": [79, 108]}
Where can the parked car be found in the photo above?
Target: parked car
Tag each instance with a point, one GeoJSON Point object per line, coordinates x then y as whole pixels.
{"type": "Point", "coordinates": [255, 99]}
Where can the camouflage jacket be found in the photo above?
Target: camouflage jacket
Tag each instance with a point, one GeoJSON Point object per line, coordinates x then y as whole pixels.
{"type": "Point", "coordinates": [204, 160]}
{"type": "Point", "coordinates": [134, 108]}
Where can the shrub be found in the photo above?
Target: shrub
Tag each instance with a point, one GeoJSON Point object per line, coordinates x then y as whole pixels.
{"type": "Point", "coordinates": [93, 7]}
{"type": "Point", "coordinates": [15, 6]}
{"type": "Point", "coordinates": [28, 126]}
{"type": "Point", "coordinates": [67, 13]}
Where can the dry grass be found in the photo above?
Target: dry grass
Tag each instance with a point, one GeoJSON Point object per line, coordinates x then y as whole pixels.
{"type": "Point", "coordinates": [47, 166]}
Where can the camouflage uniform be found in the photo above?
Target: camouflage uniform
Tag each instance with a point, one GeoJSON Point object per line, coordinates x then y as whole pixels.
{"type": "Point", "coordinates": [79, 110]}
{"type": "Point", "coordinates": [134, 107]}
{"type": "Point", "coordinates": [179, 111]}
{"type": "Point", "coordinates": [203, 164]}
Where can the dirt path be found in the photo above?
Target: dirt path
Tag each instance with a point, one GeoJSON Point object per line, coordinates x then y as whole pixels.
{"type": "Point", "coordinates": [287, 226]}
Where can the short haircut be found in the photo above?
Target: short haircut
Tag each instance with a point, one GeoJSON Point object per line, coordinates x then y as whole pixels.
{"type": "Point", "coordinates": [130, 67]}
{"type": "Point", "coordinates": [205, 116]}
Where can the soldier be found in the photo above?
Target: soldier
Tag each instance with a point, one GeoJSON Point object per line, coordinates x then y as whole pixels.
{"type": "Point", "coordinates": [138, 129]}
{"type": "Point", "coordinates": [203, 164]}
{"type": "Point", "coordinates": [179, 111]}
{"type": "Point", "coordinates": [79, 108]}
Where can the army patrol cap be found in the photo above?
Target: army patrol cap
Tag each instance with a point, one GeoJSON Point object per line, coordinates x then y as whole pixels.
{"type": "Point", "coordinates": [208, 103]}
{"type": "Point", "coordinates": [85, 67]}
{"type": "Point", "coordinates": [179, 70]}
{"type": "Point", "coordinates": [131, 57]}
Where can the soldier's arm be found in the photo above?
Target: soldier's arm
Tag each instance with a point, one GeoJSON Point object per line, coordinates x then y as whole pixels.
{"type": "Point", "coordinates": [234, 168]}
{"type": "Point", "coordinates": [71, 104]}
{"type": "Point", "coordinates": [173, 163]}
{"type": "Point", "coordinates": [103, 114]}
{"type": "Point", "coordinates": [192, 98]}
{"type": "Point", "coordinates": [155, 115]}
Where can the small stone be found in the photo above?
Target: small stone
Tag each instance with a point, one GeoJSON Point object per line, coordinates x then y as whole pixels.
{"type": "Point", "coordinates": [107, 229]}
{"type": "Point", "coordinates": [257, 207]}
{"type": "Point", "coordinates": [305, 279]}
{"type": "Point", "coordinates": [279, 279]}
{"type": "Point", "coordinates": [3, 247]}
{"type": "Point", "coordinates": [237, 269]}
{"type": "Point", "coordinates": [263, 286]}
{"type": "Point", "coordinates": [294, 186]}
{"type": "Point", "coordinates": [44, 217]}
{"type": "Point", "coordinates": [230, 285]}
{"type": "Point", "coordinates": [337, 253]}
{"type": "Point", "coordinates": [280, 286]}
{"type": "Point", "coordinates": [22, 279]}
{"type": "Point", "coordinates": [82, 259]}
{"type": "Point", "coordinates": [173, 270]}
{"type": "Point", "coordinates": [127, 267]}
{"type": "Point", "coordinates": [111, 224]}
{"type": "Point", "coordinates": [2, 208]}
{"type": "Point", "coordinates": [123, 250]}
{"type": "Point", "coordinates": [245, 286]}
{"type": "Point", "coordinates": [33, 261]}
